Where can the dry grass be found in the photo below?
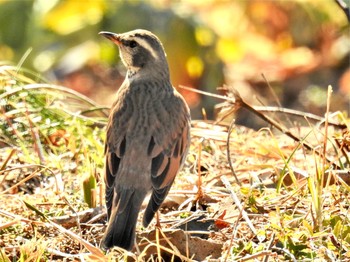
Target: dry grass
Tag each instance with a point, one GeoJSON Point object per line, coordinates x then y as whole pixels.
{"type": "Point", "coordinates": [290, 202]}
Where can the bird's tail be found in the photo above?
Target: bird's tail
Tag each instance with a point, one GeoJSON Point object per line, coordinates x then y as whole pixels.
{"type": "Point", "coordinates": [157, 198]}
{"type": "Point", "coordinates": [122, 222]}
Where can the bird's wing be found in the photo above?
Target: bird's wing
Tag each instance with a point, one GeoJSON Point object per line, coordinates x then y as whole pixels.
{"type": "Point", "coordinates": [169, 144]}
{"type": "Point", "coordinates": [115, 149]}
{"type": "Point", "coordinates": [168, 148]}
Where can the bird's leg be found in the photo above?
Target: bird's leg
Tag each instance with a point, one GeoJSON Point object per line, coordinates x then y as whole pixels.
{"type": "Point", "coordinates": [157, 220]}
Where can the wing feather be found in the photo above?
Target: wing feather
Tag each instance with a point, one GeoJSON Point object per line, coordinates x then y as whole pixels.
{"type": "Point", "coordinates": [172, 142]}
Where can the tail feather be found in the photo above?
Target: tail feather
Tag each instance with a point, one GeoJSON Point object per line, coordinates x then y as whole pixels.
{"type": "Point", "coordinates": [157, 198]}
{"type": "Point", "coordinates": [122, 222]}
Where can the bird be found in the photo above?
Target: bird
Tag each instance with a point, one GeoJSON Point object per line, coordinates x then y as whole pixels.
{"type": "Point", "coordinates": [147, 137]}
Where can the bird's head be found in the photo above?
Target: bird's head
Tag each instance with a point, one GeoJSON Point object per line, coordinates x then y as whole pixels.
{"type": "Point", "coordinates": [140, 50]}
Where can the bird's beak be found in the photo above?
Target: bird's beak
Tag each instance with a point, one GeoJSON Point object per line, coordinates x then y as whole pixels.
{"type": "Point", "coordinates": [115, 38]}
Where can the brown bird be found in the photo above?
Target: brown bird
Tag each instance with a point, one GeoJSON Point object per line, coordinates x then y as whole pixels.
{"type": "Point", "coordinates": [148, 136]}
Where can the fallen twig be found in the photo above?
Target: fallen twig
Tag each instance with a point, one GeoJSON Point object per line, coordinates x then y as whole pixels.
{"type": "Point", "coordinates": [229, 153]}
{"type": "Point", "coordinates": [238, 204]}
{"type": "Point", "coordinates": [289, 111]}
{"type": "Point", "coordinates": [238, 102]}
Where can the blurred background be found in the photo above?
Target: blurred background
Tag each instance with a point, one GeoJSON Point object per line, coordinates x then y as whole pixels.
{"type": "Point", "coordinates": [297, 47]}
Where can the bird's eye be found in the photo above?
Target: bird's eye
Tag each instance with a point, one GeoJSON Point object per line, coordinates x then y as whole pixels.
{"type": "Point", "coordinates": [132, 44]}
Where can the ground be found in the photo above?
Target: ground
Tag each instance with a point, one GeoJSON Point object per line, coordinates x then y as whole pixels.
{"type": "Point", "coordinates": [242, 195]}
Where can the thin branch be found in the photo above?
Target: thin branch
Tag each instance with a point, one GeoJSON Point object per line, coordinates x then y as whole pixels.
{"type": "Point", "coordinates": [272, 91]}
{"type": "Point", "coordinates": [229, 153]}
{"type": "Point", "coordinates": [239, 205]}
{"type": "Point", "coordinates": [325, 140]}
{"type": "Point", "coordinates": [232, 102]}
{"type": "Point", "coordinates": [281, 128]}
{"type": "Point", "coordinates": [238, 102]}
{"type": "Point", "coordinates": [286, 252]}
{"type": "Point", "coordinates": [298, 114]}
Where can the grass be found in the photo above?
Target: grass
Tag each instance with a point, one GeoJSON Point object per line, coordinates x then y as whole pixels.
{"type": "Point", "coordinates": [291, 202]}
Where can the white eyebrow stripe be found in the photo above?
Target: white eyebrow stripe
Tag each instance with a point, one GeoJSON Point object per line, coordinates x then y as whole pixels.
{"type": "Point", "coordinates": [147, 46]}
